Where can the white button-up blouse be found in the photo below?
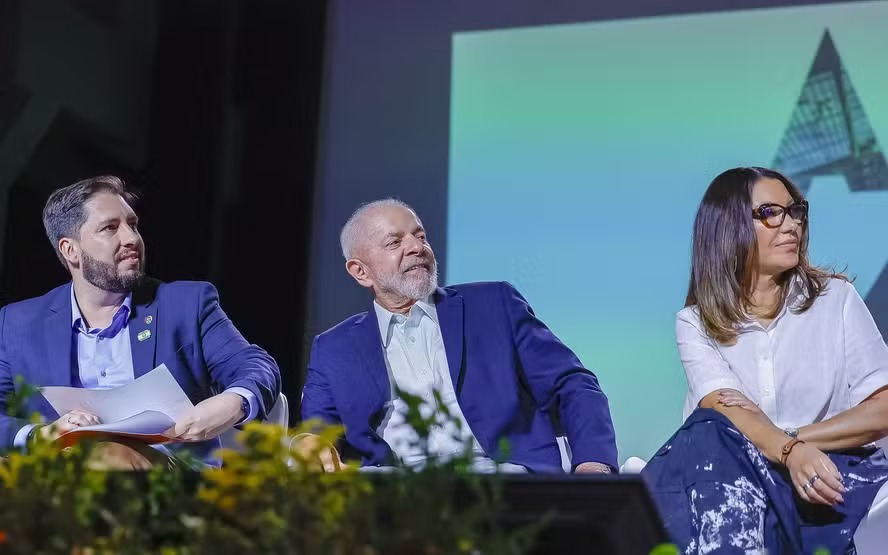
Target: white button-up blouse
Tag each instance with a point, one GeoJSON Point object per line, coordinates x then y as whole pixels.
{"type": "Point", "coordinates": [802, 368]}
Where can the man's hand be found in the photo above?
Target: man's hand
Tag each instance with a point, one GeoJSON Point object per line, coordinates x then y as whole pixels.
{"type": "Point", "coordinates": [209, 418]}
{"type": "Point", "coordinates": [317, 453]}
{"type": "Point", "coordinates": [592, 468]}
{"type": "Point", "coordinates": [815, 477]}
{"type": "Point", "coordinates": [70, 421]}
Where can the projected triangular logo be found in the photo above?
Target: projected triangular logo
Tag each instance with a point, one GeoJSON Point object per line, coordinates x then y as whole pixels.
{"type": "Point", "coordinates": [829, 133]}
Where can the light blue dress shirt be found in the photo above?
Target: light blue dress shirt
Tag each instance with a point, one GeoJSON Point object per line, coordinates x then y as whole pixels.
{"type": "Point", "coordinates": [416, 361]}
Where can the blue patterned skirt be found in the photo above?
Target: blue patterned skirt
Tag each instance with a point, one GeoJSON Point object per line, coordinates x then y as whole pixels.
{"type": "Point", "coordinates": [717, 493]}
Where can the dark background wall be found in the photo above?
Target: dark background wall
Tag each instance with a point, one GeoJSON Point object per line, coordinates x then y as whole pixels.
{"type": "Point", "coordinates": [207, 108]}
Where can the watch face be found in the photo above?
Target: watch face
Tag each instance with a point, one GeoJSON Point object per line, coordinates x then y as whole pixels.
{"type": "Point", "coordinates": [792, 432]}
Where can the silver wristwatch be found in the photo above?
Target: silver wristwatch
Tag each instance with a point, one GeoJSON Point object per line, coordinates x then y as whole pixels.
{"type": "Point", "coordinates": [791, 432]}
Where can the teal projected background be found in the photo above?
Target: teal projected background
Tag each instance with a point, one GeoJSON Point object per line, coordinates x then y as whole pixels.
{"type": "Point", "coordinates": [579, 154]}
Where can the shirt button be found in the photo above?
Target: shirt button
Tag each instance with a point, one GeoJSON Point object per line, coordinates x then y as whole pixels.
{"type": "Point", "coordinates": [104, 373]}
{"type": "Point", "coordinates": [412, 339]}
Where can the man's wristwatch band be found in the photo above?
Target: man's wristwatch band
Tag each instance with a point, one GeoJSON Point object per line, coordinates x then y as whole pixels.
{"type": "Point", "coordinates": [245, 408]}
{"type": "Point", "coordinates": [32, 433]}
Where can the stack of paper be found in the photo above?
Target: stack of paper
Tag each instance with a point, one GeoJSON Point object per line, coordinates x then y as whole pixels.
{"type": "Point", "coordinates": [142, 410]}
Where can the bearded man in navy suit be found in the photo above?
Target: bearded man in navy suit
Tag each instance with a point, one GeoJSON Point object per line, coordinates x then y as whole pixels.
{"type": "Point", "coordinates": [499, 370]}
{"type": "Point", "coordinates": [112, 324]}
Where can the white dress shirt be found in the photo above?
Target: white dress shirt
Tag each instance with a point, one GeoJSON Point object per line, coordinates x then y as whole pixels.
{"type": "Point", "coordinates": [801, 369]}
{"type": "Point", "coordinates": [417, 364]}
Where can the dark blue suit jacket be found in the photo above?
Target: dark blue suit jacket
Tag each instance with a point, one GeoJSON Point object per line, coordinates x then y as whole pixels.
{"type": "Point", "coordinates": [511, 376]}
{"type": "Point", "coordinates": [189, 333]}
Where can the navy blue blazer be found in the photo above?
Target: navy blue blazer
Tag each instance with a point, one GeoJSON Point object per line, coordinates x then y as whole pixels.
{"type": "Point", "coordinates": [511, 376]}
{"type": "Point", "coordinates": [189, 333]}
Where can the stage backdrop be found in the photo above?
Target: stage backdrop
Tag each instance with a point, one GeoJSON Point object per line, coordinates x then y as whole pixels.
{"type": "Point", "coordinates": [578, 153]}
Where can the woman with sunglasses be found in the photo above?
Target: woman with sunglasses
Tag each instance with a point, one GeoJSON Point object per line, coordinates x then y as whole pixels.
{"type": "Point", "coordinates": [787, 385]}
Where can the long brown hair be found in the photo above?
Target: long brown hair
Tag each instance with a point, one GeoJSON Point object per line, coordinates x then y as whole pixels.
{"type": "Point", "coordinates": [724, 265]}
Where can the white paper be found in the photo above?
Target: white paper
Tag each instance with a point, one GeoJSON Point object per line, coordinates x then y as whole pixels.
{"type": "Point", "coordinates": [144, 423]}
{"type": "Point", "coordinates": [157, 391]}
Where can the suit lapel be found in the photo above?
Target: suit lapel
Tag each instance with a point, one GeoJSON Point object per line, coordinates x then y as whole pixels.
{"type": "Point", "coordinates": [143, 328]}
{"type": "Point", "coordinates": [374, 378]}
{"type": "Point", "coordinates": [450, 316]}
{"type": "Point", "coordinates": [59, 337]}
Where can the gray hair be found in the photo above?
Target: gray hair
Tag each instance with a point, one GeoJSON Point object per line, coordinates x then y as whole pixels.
{"type": "Point", "coordinates": [354, 227]}
{"type": "Point", "coordinates": [64, 213]}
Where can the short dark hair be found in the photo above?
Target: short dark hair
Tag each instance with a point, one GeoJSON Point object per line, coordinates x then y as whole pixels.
{"type": "Point", "coordinates": [63, 215]}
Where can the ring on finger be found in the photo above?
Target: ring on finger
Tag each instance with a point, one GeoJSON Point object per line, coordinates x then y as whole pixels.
{"type": "Point", "coordinates": [811, 481]}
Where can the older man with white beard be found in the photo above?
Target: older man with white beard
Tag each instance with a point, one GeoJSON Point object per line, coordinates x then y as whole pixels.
{"type": "Point", "coordinates": [500, 372]}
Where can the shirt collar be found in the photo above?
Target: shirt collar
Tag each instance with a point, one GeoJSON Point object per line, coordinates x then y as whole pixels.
{"type": "Point", "coordinates": [386, 318]}
{"type": "Point", "coordinates": [77, 317]}
{"type": "Point", "coordinates": [796, 294]}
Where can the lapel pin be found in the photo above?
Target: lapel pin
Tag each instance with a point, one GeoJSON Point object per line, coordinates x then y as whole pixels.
{"type": "Point", "coordinates": [143, 335]}
{"type": "Point", "coordinates": [148, 319]}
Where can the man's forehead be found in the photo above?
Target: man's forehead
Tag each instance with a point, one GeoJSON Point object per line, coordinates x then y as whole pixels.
{"type": "Point", "coordinates": [107, 205]}
{"type": "Point", "coordinates": [387, 219]}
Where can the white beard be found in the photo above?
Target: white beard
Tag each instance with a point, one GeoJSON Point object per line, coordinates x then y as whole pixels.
{"type": "Point", "coordinates": [416, 287]}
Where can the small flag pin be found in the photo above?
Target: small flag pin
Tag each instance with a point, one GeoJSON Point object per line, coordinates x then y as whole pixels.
{"type": "Point", "coordinates": [143, 335]}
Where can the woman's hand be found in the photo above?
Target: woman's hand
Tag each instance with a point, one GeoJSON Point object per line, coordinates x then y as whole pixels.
{"type": "Point", "coordinates": [815, 477]}
{"type": "Point", "coordinates": [733, 398]}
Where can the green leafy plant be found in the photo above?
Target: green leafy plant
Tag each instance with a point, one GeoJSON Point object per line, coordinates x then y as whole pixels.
{"type": "Point", "coordinates": [452, 509]}
{"type": "Point", "coordinates": [40, 493]}
{"type": "Point", "coordinates": [269, 497]}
